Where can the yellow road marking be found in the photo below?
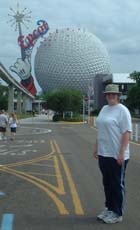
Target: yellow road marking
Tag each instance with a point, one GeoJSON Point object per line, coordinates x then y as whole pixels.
{"type": "Point", "coordinates": [43, 174]}
{"type": "Point", "coordinates": [46, 157]}
{"type": "Point", "coordinates": [61, 207]}
{"type": "Point", "coordinates": [59, 178]}
{"type": "Point", "coordinates": [76, 200]}
{"type": "Point", "coordinates": [42, 184]}
{"type": "Point", "coordinates": [37, 164]}
{"type": "Point", "coordinates": [60, 188]}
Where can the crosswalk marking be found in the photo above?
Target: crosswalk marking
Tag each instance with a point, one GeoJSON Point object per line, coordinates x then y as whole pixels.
{"type": "Point", "coordinates": [14, 149]}
{"type": "Point", "coordinates": [23, 141]}
{"type": "Point", "coordinates": [42, 141]}
{"type": "Point", "coordinates": [7, 221]}
{"type": "Point", "coordinates": [2, 193]}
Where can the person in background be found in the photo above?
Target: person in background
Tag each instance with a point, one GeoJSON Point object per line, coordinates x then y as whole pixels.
{"type": "Point", "coordinates": [33, 113]}
{"type": "Point", "coordinates": [112, 151]}
{"type": "Point", "coordinates": [3, 125]}
{"type": "Point", "coordinates": [13, 125]}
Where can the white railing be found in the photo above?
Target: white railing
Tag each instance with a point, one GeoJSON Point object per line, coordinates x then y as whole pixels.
{"type": "Point", "coordinates": [135, 134]}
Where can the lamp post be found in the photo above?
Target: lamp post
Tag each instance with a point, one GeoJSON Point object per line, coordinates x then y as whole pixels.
{"type": "Point", "coordinates": [90, 93]}
{"type": "Point", "coordinates": [83, 108]}
{"type": "Point", "coordinates": [88, 108]}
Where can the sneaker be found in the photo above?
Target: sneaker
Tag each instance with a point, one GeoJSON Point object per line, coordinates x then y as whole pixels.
{"type": "Point", "coordinates": [103, 214]}
{"type": "Point", "coordinates": [112, 218]}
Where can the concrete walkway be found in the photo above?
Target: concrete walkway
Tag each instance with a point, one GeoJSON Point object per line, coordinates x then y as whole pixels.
{"type": "Point", "coordinates": [42, 118]}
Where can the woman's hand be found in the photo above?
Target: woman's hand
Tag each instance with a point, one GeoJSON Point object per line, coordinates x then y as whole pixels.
{"type": "Point", "coordinates": [95, 154]}
{"type": "Point", "coordinates": [120, 159]}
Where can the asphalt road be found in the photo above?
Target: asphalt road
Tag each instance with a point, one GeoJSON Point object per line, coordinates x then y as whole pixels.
{"type": "Point", "coordinates": [49, 179]}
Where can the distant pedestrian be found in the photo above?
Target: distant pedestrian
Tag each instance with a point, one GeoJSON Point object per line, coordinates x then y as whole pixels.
{"type": "Point", "coordinates": [112, 151]}
{"type": "Point", "coordinates": [13, 125]}
{"type": "Point", "coordinates": [33, 113]}
{"type": "Point", "coordinates": [3, 125]}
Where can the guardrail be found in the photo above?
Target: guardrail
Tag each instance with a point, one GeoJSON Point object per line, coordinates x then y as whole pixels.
{"type": "Point", "coordinates": [135, 134]}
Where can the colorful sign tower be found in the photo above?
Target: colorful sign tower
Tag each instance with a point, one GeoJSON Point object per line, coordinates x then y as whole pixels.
{"type": "Point", "coordinates": [22, 67]}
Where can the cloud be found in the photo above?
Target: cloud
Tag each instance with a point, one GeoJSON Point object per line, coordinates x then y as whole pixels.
{"type": "Point", "coordinates": [127, 46]}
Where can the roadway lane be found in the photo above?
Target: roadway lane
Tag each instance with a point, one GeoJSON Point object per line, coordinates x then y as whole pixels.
{"type": "Point", "coordinates": [50, 180]}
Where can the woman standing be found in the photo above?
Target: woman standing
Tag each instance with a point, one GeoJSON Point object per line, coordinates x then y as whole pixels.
{"type": "Point", "coordinates": [112, 151]}
{"type": "Point", "coordinates": [13, 125]}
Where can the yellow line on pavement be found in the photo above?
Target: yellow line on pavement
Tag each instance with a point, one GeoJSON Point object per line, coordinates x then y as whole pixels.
{"type": "Point", "coordinates": [76, 200]}
{"type": "Point", "coordinates": [59, 178]}
{"type": "Point", "coordinates": [31, 161]}
{"type": "Point", "coordinates": [58, 189]}
{"type": "Point", "coordinates": [46, 186]}
{"type": "Point", "coordinates": [43, 174]}
{"type": "Point", "coordinates": [39, 164]}
{"type": "Point", "coordinates": [60, 205]}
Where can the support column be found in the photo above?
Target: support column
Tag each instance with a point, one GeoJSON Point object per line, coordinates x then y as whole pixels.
{"type": "Point", "coordinates": [19, 102]}
{"type": "Point", "coordinates": [27, 104]}
{"type": "Point", "coordinates": [11, 99]}
{"type": "Point", "coordinates": [38, 107]}
{"type": "Point", "coordinates": [24, 103]}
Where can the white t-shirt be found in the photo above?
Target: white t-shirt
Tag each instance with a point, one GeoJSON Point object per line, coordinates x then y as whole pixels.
{"type": "Point", "coordinates": [112, 122]}
{"type": "Point", "coordinates": [12, 123]}
{"type": "Point", "coordinates": [3, 120]}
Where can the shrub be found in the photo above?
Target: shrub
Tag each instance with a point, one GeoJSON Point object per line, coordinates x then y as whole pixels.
{"type": "Point", "coordinates": [57, 117]}
{"type": "Point", "coordinates": [75, 118]}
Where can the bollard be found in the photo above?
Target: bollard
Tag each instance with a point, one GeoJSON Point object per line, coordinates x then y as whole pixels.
{"type": "Point", "coordinates": [95, 122]}
{"type": "Point", "coordinates": [136, 132]}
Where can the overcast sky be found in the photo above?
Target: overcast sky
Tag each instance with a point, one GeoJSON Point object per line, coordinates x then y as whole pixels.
{"type": "Point", "coordinates": [115, 22]}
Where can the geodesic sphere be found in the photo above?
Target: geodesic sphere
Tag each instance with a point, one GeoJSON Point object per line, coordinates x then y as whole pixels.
{"type": "Point", "coordinates": [70, 58]}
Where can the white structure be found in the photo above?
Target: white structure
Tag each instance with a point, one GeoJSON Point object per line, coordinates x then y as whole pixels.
{"type": "Point", "coordinates": [70, 58]}
{"type": "Point", "coordinates": [118, 78]}
{"type": "Point", "coordinates": [122, 78]}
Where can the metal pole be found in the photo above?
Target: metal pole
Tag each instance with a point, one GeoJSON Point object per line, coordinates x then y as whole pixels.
{"type": "Point", "coordinates": [23, 54]}
{"type": "Point", "coordinates": [83, 108]}
{"type": "Point", "coordinates": [88, 108]}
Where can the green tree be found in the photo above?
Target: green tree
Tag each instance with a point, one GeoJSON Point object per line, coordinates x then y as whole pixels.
{"type": "Point", "coordinates": [64, 100]}
{"type": "Point", "coordinates": [3, 97]}
{"type": "Point", "coordinates": [135, 76]}
{"type": "Point", "coordinates": [133, 98]}
{"type": "Point", "coordinates": [133, 95]}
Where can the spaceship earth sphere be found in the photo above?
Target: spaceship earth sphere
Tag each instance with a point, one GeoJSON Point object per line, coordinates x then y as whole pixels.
{"type": "Point", "coordinates": [70, 58]}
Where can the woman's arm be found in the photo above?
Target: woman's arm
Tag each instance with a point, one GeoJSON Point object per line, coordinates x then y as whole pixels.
{"type": "Point", "coordinates": [124, 143]}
